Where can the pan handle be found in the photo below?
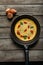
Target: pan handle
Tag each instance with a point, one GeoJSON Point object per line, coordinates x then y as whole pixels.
{"type": "Point", "coordinates": [26, 56]}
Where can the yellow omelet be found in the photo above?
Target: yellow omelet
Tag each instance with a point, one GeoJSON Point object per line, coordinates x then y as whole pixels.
{"type": "Point", "coordinates": [25, 29]}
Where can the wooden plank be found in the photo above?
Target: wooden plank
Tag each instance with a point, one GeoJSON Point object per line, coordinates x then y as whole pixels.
{"type": "Point", "coordinates": [19, 56]}
{"type": "Point", "coordinates": [7, 44]}
{"type": "Point", "coordinates": [23, 9]}
{"type": "Point", "coordinates": [4, 22]}
{"type": "Point", "coordinates": [17, 2]}
{"type": "Point", "coordinates": [16, 55]}
{"type": "Point", "coordinates": [5, 32]}
{"type": "Point", "coordinates": [36, 55]}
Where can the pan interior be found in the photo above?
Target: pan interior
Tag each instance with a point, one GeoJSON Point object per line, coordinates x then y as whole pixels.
{"type": "Point", "coordinates": [25, 29]}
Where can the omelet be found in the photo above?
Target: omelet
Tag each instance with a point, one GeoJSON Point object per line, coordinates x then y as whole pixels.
{"type": "Point", "coordinates": [25, 29]}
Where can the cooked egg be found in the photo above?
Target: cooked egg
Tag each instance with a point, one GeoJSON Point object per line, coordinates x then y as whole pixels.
{"type": "Point", "coordinates": [27, 29]}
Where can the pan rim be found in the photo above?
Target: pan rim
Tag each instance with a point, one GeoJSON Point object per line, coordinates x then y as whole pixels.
{"type": "Point", "coordinates": [20, 42]}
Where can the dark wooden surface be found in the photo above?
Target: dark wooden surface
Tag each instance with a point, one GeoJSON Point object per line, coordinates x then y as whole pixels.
{"type": "Point", "coordinates": [8, 50]}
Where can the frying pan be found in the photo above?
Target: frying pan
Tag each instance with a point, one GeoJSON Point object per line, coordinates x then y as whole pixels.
{"type": "Point", "coordinates": [25, 44]}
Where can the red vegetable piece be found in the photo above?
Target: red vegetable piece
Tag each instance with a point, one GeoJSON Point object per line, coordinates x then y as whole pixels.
{"type": "Point", "coordinates": [18, 32]}
{"type": "Point", "coordinates": [21, 35]}
{"type": "Point", "coordinates": [25, 30]}
{"type": "Point", "coordinates": [31, 31]}
{"type": "Point", "coordinates": [18, 26]}
{"type": "Point", "coordinates": [28, 37]}
{"type": "Point", "coordinates": [28, 26]}
{"type": "Point", "coordinates": [25, 22]}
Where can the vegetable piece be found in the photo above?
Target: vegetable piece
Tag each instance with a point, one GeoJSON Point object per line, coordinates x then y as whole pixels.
{"type": "Point", "coordinates": [18, 26]}
{"type": "Point", "coordinates": [25, 22]}
{"type": "Point", "coordinates": [25, 30]}
{"type": "Point", "coordinates": [21, 23]}
{"type": "Point", "coordinates": [31, 31]}
{"type": "Point", "coordinates": [32, 27]}
{"type": "Point", "coordinates": [28, 37]}
{"type": "Point", "coordinates": [21, 35]}
{"type": "Point", "coordinates": [18, 32]}
{"type": "Point", "coordinates": [28, 26]}
{"type": "Point", "coordinates": [25, 37]}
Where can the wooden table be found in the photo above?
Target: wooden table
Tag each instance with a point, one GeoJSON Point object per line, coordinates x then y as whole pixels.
{"type": "Point", "coordinates": [8, 50]}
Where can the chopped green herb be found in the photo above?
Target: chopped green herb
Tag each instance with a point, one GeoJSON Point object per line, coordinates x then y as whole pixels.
{"type": "Point", "coordinates": [21, 23]}
{"type": "Point", "coordinates": [25, 37]}
{"type": "Point", "coordinates": [32, 27]}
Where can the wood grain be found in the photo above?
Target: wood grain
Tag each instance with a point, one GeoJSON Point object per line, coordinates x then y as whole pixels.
{"type": "Point", "coordinates": [4, 22]}
{"type": "Point", "coordinates": [8, 50]}
{"type": "Point", "coordinates": [5, 32]}
{"type": "Point", "coordinates": [23, 9]}
{"type": "Point", "coordinates": [5, 39]}
{"type": "Point", "coordinates": [17, 2]}
{"type": "Point", "coordinates": [8, 44]}
{"type": "Point", "coordinates": [18, 55]}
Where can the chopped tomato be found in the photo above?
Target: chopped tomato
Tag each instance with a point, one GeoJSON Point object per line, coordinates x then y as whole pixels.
{"type": "Point", "coordinates": [25, 22]}
{"type": "Point", "coordinates": [28, 26]}
{"type": "Point", "coordinates": [18, 32]}
{"type": "Point", "coordinates": [25, 30]}
{"type": "Point", "coordinates": [31, 31]}
{"type": "Point", "coordinates": [18, 26]}
{"type": "Point", "coordinates": [21, 35]}
{"type": "Point", "coordinates": [28, 37]}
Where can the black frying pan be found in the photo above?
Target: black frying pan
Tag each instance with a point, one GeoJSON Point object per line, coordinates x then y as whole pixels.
{"type": "Point", "coordinates": [25, 44]}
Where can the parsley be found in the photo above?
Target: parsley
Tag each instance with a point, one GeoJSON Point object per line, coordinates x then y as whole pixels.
{"type": "Point", "coordinates": [31, 27]}
{"type": "Point", "coordinates": [25, 37]}
{"type": "Point", "coordinates": [21, 23]}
